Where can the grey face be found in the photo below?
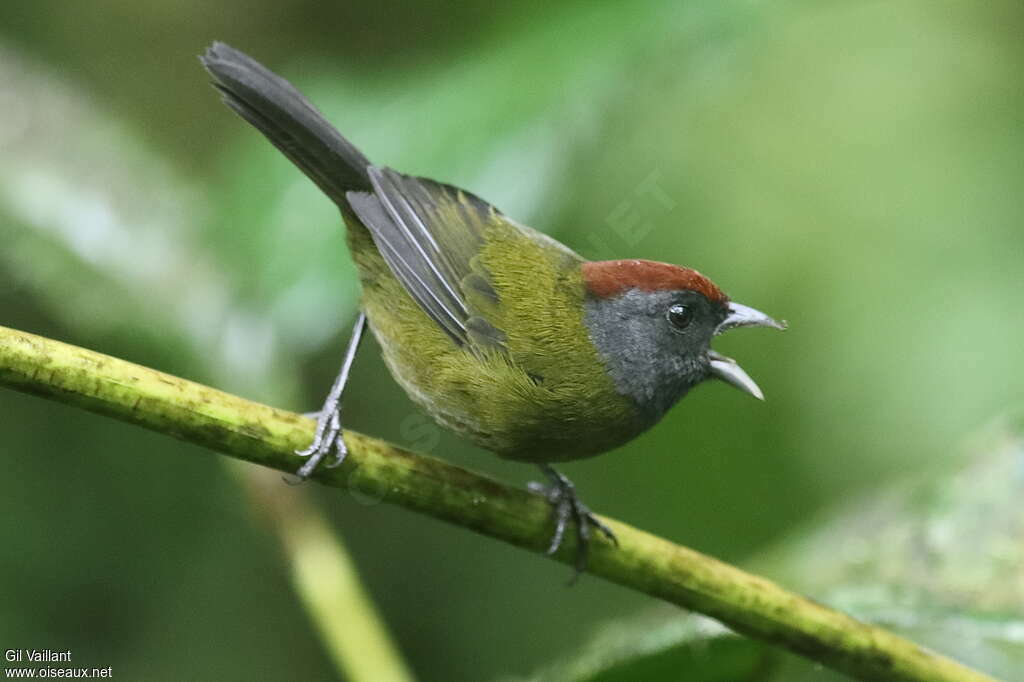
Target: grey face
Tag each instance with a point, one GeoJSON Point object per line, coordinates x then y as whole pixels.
{"type": "Point", "coordinates": [655, 344]}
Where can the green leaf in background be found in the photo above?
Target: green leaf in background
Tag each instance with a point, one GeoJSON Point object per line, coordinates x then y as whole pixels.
{"type": "Point", "coordinates": [938, 560]}
{"type": "Point", "coordinates": [658, 647]}
{"type": "Point", "coordinates": [941, 561]}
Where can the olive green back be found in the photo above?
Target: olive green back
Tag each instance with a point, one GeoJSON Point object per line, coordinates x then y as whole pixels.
{"type": "Point", "coordinates": [544, 394]}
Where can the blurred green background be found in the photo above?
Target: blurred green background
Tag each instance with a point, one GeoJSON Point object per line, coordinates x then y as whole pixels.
{"type": "Point", "coordinates": [854, 168]}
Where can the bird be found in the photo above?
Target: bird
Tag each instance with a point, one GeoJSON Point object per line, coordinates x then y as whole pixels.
{"type": "Point", "coordinates": [499, 332]}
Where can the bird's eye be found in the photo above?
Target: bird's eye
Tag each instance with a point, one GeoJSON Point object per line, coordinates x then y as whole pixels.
{"type": "Point", "coordinates": [680, 316]}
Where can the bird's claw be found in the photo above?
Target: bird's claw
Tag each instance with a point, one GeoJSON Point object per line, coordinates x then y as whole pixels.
{"type": "Point", "coordinates": [328, 436]}
{"type": "Point", "coordinates": [561, 494]}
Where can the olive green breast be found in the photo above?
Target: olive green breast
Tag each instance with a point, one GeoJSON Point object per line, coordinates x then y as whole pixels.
{"type": "Point", "coordinates": [546, 395]}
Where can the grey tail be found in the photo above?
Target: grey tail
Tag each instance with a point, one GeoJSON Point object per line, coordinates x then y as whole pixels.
{"type": "Point", "coordinates": [289, 121]}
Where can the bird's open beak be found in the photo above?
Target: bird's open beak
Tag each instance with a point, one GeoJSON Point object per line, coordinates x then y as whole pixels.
{"type": "Point", "coordinates": [725, 368]}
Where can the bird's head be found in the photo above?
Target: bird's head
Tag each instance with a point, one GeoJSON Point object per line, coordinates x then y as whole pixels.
{"type": "Point", "coordinates": [653, 324]}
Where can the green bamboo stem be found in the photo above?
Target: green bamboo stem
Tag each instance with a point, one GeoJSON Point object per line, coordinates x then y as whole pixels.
{"type": "Point", "coordinates": [264, 435]}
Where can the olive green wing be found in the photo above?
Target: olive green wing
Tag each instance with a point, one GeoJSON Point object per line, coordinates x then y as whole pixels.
{"type": "Point", "coordinates": [431, 235]}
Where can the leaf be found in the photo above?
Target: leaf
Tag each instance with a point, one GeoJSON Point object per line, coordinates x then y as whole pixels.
{"type": "Point", "coordinates": [938, 561]}
{"type": "Point", "coordinates": [659, 646]}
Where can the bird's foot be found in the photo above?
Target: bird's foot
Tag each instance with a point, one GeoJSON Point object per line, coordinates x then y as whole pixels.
{"type": "Point", "coordinates": [561, 494]}
{"type": "Point", "coordinates": [328, 437]}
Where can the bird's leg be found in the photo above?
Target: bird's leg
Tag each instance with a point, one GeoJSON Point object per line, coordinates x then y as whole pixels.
{"type": "Point", "coordinates": [328, 424]}
{"type": "Point", "coordinates": [562, 496]}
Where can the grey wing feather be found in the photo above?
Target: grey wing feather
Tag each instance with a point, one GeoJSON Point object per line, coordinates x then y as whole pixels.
{"type": "Point", "coordinates": [407, 266]}
{"type": "Point", "coordinates": [410, 205]}
{"type": "Point", "coordinates": [429, 234]}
